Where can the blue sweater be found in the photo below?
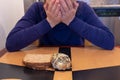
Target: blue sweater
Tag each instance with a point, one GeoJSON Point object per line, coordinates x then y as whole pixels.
{"type": "Point", "coordinates": [33, 26]}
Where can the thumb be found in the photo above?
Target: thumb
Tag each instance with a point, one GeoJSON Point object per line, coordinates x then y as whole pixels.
{"type": "Point", "coordinates": [59, 14]}
{"type": "Point", "coordinates": [45, 6]}
{"type": "Point", "coordinates": [75, 5]}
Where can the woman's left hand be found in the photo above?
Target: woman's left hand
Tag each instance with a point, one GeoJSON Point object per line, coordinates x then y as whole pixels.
{"type": "Point", "coordinates": [68, 10]}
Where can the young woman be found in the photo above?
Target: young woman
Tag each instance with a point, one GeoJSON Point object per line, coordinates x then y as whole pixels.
{"type": "Point", "coordinates": [60, 23]}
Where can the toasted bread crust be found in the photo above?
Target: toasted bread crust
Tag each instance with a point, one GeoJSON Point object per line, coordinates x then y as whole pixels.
{"type": "Point", "coordinates": [37, 65]}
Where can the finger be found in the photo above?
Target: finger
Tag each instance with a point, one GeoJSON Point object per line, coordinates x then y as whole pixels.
{"type": "Point", "coordinates": [59, 15]}
{"type": "Point", "coordinates": [64, 5]}
{"type": "Point", "coordinates": [52, 2]}
{"type": "Point", "coordinates": [55, 5]}
{"type": "Point", "coordinates": [69, 4]}
{"type": "Point", "coordinates": [45, 6]}
{"type": "Point", "coordinates": [57, 10]}
{"type": "Point", "coordinates": [62, 12]}
{"type": "Point", "coordinates": [75, 5]}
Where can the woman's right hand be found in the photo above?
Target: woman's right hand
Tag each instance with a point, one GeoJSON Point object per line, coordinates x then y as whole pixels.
{"type": "Point", "coordinates": [53, 12]}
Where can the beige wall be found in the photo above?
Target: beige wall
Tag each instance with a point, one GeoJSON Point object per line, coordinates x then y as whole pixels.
{"type": "Point", "coordinates": [2, 37]}
{"type": "Point", "coordinates": [10, 12]}
{"type": "Point", "coordinates": [28, 3]}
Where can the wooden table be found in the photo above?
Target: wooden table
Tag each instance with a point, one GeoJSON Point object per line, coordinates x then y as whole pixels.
{"type": "Point", "coordinates": [85, 60]}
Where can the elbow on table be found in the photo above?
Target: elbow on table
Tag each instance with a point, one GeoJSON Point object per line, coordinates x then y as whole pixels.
{"type": "Point", "coordinates": [10, 46]}
{"type": "Point", "coordinates": [109, 43]}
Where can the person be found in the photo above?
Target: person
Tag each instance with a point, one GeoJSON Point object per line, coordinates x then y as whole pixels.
{"type": "Point", "coordinates": [59, 23]}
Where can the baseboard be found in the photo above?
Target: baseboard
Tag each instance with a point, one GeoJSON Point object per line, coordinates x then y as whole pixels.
{"type": "Point", "coordinates": [2, 52]}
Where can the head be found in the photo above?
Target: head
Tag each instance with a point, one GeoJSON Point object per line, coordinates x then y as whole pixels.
{"type": "Point", "coordinates": [50, 0]}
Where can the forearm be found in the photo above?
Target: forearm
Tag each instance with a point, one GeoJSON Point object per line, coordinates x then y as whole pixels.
{"type": "Point", "coordinates": [100, 37]}
{"type": "Point", "coordinates": [24, 37]}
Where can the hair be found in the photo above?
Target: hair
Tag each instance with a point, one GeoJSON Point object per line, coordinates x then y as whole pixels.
{"type": "Point", "coordinates": [44, 1]}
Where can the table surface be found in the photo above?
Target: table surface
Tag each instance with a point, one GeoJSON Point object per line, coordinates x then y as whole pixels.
{"type": "Point", "coordinates": [83, 59]}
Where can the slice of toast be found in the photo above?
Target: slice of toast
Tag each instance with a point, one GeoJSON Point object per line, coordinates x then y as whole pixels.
{"type": "Point", "coordinates": [37, 61]}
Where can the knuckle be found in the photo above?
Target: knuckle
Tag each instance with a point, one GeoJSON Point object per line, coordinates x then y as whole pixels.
{"type": "Point", "coordinates": [73, 10]}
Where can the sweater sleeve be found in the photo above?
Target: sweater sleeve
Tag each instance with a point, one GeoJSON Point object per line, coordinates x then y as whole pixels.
{"type": "Point", "coordinates": [93, 29]}
{"type": "Point", "coordinates": [27, 30]}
